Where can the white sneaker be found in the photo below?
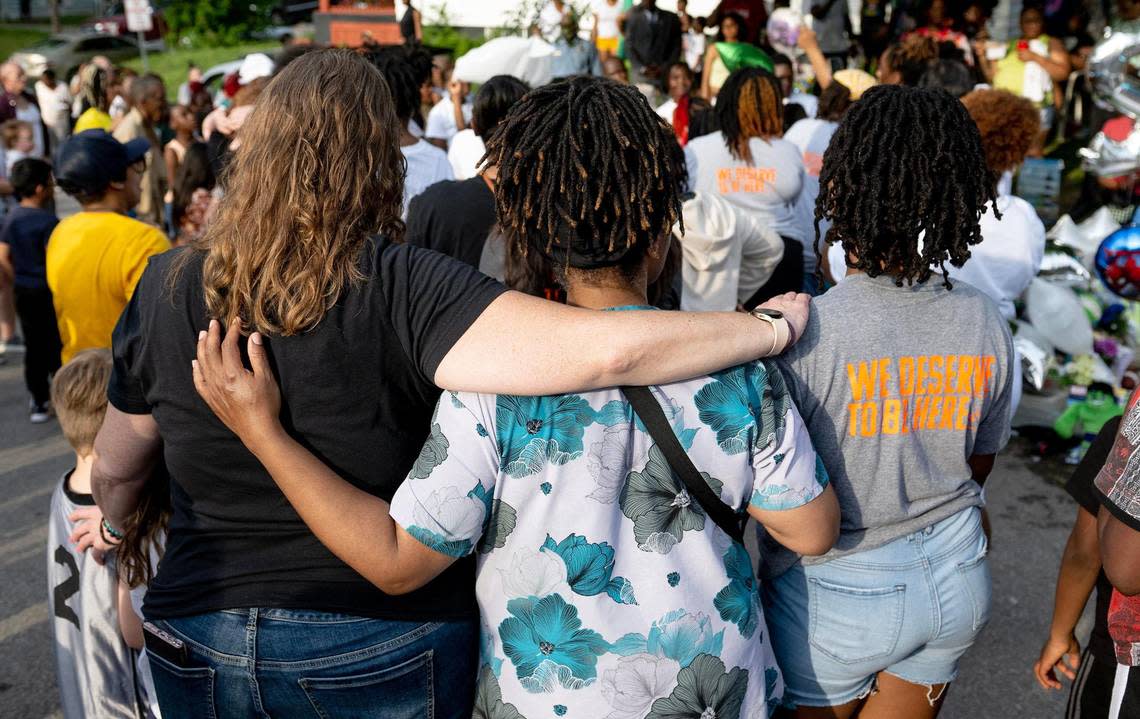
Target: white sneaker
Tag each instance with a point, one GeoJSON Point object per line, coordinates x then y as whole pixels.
{"type": "Point", "coordinates": [40, 413]}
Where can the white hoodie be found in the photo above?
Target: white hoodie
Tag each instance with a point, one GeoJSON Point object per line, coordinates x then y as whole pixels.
{"type": "Point", "coordinates": [728, 254]}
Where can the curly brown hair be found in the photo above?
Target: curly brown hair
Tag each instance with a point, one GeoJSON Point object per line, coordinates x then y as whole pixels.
{"type": "Point", "coordinates": [319, 170]}
{"type": "Point", "coordinates": [1008, 124]}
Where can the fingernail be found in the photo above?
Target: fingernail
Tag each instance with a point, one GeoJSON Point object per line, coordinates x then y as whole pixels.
{"type": "Point", "coordinates": [194, 363]}
{"type": "Point", "coordinates": [255, 338]}
{"type": "Point", "coordinates": [213, 324]}
{"type": "Point", "coordinates": [202, 335]}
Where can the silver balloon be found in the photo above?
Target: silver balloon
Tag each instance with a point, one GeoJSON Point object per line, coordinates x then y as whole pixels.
{"type": "Point", "coordinates": [1114, 71]}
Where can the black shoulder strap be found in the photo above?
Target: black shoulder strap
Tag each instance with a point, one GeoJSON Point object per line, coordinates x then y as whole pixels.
{"type": "Point", "coordinates": [647, 408]}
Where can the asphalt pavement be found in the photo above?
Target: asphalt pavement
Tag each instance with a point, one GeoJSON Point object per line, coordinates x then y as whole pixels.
{"type": "Point", "coordinates": [1031, 517]}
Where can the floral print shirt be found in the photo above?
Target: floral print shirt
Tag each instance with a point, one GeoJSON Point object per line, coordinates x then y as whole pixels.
{"type": "Point", "coordinates": [604, 590]}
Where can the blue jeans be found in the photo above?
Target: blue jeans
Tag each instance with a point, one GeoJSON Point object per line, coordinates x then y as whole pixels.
{"type": "Point", "coordinates": [288, 663]}
{"type": "Point", "coordinates": [910, 608]}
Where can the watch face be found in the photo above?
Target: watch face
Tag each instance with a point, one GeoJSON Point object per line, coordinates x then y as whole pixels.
{"type": "Point", "coordinates": [774, 314]}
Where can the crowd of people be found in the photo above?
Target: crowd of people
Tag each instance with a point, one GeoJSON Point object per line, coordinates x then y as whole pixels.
{"type": "Point", "coordinates": [354, 359]}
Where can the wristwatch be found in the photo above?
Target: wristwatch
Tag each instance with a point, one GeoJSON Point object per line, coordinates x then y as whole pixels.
{"type": "Point", "coordinates": [776, 319]}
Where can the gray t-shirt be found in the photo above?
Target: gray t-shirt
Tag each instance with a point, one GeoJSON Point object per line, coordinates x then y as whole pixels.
{"type": "Point", "coordinates": [899, 386]}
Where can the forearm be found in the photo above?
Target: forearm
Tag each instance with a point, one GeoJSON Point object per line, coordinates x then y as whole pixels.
{"type": "Point", "coordinates": [541, 347]}
{"type": "Point", "coordinates": [353, 524]}
{"type": "Point", "coordinates": [457, 108]}
{"type": "Point", "coordinates": [117, 497]}
{"type": "Point", "coordinates": [1075, 582]}
{"type": "Point", "coordinates": [820, 67]}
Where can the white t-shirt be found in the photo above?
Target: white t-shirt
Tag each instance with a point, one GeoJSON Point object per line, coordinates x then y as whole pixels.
{"type": "Point", "coordinates": [414, 128]}
{"type": "Point", "coordinates": [1009, 256]}
{"type": "Point", "coordinates": [550, 21]}
{"type": "Point", "coordinates": [666, 110]}
{"type": "Point", "coordinates": [811, 137]}
{"type": "Point", "coordinates": [441, 120]}
{"type": "Point", "coordinates": [769, 186]}
{"type": "Point", "coordinates": [464, 153]}
{"type": "Point", "coordinates": [427, 165]}
{"type": "Point", "coordinates": [55, 104]}
{"type": "Point", "coordinates": [30, 114]}
{"type": "Point", "coordinates": [607, 16]}
{"type": "Point", "coordinates": [727, 254]}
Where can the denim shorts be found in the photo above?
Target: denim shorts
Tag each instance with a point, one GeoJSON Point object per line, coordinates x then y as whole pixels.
{"type": "Point", "coordinates": [911, 608]}
{"type": "Point", "coordinates": [291, 663]}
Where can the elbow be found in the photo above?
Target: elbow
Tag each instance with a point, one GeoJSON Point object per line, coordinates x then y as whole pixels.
{"type": "Point", "coordinates": [616, 366]}
{"type": "Point", "coordinates": [819, 543]}
{"type": "Point", "coordinates": [395, 584]}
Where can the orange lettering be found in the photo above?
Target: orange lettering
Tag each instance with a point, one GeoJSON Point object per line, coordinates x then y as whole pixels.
{"type": "Point", "coordinates": [948, 406]}
{"type": "Point", "coordinates": [906, 376]}
{"type": "Point", "coordinates": [920, 375]}
{"type": "Point", "coordinates": [934, 409]}
{"type": "Point", "coordinates": [965, 373]}
{"type": "Point", "coordinates": [852, 418]}
{"type": "Point", "coordinates": [884, 376]}
{"type": "Point", "coordinates": [951, 367]}
{"type": "Point", "coordinates": [962, 416]}
{"type": "Point", "coordinates": [869, 427]}
{"type": "Point", "coordinates": [936, 374]}
{"type": "Point", "coordinates": [892, 412]}
{"type": "Point", "coordinates": [862, 380]}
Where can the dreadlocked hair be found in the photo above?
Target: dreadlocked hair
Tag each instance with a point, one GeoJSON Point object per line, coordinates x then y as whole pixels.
{"type": "Point", "coordinates": [401, 75]}
{"type": "Point", "coordinates": [589, 175]}
{"type": "Point", "coordinates": [903, 162]}
{"type": "Point", "coordinates": [749, 104]}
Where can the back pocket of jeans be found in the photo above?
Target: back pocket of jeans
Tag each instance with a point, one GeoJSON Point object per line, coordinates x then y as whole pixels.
{"type": "Point", "coordinates": [975, 574]}
{"type": "Point", "coordinates": [182, 691]}
{"type": "Point", "coordinates": [853, 625]}
{"type": "Point", "coordinates": [400, 692]}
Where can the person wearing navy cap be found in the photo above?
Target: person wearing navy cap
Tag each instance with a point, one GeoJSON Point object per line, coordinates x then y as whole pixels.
{"type": "Point", "coordinates": [95, 257]}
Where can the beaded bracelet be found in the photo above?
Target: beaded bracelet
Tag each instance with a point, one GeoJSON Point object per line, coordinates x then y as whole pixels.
{"type": "Point", "coordinates": [106, 529]}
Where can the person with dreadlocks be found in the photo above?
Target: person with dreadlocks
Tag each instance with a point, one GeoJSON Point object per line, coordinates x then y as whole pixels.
{"type": "Point", "coordinates": [904, 380]}
{"type": "Point", "coordinates": [426, 163]}
{"type": "Point", "coordinates": [605, 588]}
{"type": "Point", "coordinates": [749, 164]}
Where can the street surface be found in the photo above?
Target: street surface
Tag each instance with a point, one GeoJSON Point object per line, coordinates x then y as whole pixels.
{"type": "Point", "coordinates": [1031, 517]}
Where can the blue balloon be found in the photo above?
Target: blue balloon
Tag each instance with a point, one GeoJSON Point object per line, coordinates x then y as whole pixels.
{"type": "Point", "coordinates": [1118, 262]}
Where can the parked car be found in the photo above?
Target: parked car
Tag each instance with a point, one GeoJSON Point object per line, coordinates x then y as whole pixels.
{"type": "Point", "coordinates": [114, 22]}
{"type": "Point", "coordinates": [289, 12]}
{"type": "Point", "coordinates": [65, 53]}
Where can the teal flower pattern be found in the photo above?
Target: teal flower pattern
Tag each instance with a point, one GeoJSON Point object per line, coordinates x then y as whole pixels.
{"type": "Point", "coordinates": [589, 568]}
{"type": "Point", "coordinates": [704, 690]}
{"type": "Point", "coordinates": [560, 710]}
{"type": "Point", "coordinates": [682, 636]}
{"type": "Point", "coordinates": [738, 602]}
{"type": "Point", "coordinates": [743, 403]}
{"type": "Point", "coordinates": [546, 487]}
{"type": "Point", "coordinates": [547, 645]}
{"type": "Point", "coordinates": [673, 578]}
{"type": "Point", "coordinates": [433, 453]}
{"type": "Point", "coordinates": [532, 431]}
{"type": "Point", "coordinates": [489, 702]}
{"type": "Point", "coordinates": [660, 506]}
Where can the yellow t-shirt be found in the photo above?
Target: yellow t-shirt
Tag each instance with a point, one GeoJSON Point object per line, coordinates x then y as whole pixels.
{"type": "Point", "coordinates": [94, 261]}
{"type": "Point", "coordinates": [92, 119]}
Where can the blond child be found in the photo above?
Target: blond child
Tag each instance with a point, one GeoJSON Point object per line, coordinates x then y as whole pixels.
{"type": "Point", "coordinates": [95, 667]}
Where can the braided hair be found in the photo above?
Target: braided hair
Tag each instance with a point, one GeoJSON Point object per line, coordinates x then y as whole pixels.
{"type": "Point", "coordinates": [401, 75]}
{"type": "Point", "coordinates": [749, 104]}
{"type": "Point", "coordinates": [905, 161]}
{"type": "Point", "coordinates": [588, 174]}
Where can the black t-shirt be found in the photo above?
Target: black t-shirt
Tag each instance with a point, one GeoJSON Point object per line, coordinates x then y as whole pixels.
{"type": "Point", "coordinates": [26, 231]}
{"type": "Point", "coordinates": [453, 217]}
{"type": "Point", "coordinates": [357, 392]}
{"type": "Point", "coordinates": [1080, 487]}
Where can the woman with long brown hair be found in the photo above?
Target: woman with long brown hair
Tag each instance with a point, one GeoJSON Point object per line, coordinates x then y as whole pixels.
{"type": "Point", "coordinates": [249, 614]}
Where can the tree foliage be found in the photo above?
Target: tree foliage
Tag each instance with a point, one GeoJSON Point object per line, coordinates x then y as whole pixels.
{"type": "Point", "coordinates": [216, 22]}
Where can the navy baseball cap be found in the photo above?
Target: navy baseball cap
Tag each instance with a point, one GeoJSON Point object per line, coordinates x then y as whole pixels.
{"type": "Point", "coordinates": [91, 160]}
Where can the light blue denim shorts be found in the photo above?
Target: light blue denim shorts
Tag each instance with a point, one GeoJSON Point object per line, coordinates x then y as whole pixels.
{"type": "Point", "coordinates": [911, 608]}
